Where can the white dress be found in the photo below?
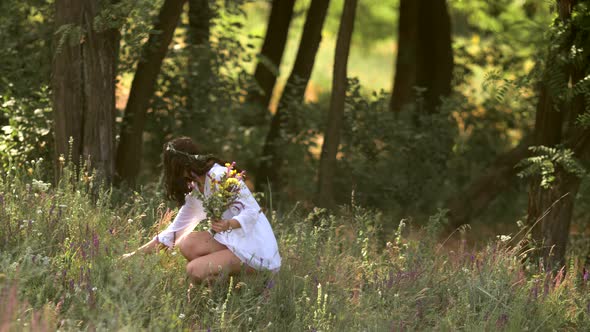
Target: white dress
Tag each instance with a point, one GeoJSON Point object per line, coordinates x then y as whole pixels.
{"type": "Point", "coordinates": [253, 243]}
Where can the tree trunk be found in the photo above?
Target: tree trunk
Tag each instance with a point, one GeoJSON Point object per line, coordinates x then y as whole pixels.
{"type": "Point", "coordinates": [200, 74]}
{"type": "Point", "coordinates": [199, 16]}
{"type": "Point", "coordinates": [336, 112]}
{"type": "Point", "coordinates": [294, 92]}
{"type": "Point", "coordinates": [68, 84]}
{"type": "Point", "coordinates": [425, 54]}
{"type": "Point", "coordinates": [142, 90]}
{"type": "Point", "coordinates": [434, 71]}
{"type": "Point", "coordinates": [84, 89]}
{"type": "Point", "coordinates": [267, 69]}
{"type": "Point", "coordinates": [405, 69]}
{"type": "Point", "coordinates": [550, 210]}
{"type": "Point", "coordinates": [501, 175]}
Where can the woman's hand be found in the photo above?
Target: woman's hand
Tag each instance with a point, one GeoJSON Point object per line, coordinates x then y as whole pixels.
{"type": "Point", "coordinates": [224, 225]}
{"type": "Point", "coordinates": [151, 247]}
{"type": "Point", "coordinates": [127, 255]}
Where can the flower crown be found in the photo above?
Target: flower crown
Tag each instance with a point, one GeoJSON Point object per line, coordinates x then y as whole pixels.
{"type": "Point", "coordinates": [197, 157]}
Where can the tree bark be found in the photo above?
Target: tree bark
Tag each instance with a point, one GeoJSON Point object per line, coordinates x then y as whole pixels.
{"type": "Point", "coordinates": [434, 52]}
{"type": "Point", "coordinates": [200, 74]}
{"type": "Point", "coordinates": [83, 83]}
{"type": "Point", "coordinates": [267, 69]}
{"type": "Point", "coordinates": [425, 54]}
{"type": "Point", "coordinates": [336, 112]}
{"type": "Point", "coordinates": [501, 175]}
{"type": "Point", "coordinates": [142, 90]}
{"type": "Point", "coordinates": [271, 161]}
{"type": "Point", "coordinates": [405, 69]}
{"type": "Point", "coordinates": [68, 84]}
{"type": "Point", "coordinates": [199, 32]}
{"type": "Point", "coordinates": [550, 210]}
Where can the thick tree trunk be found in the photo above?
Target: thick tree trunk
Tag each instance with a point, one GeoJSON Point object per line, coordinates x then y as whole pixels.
{"type": "Point", "coordinates": [271, 54]}
{"type": "Point", "coordinates": [294, 92]}
{"type": "Point", "coordinates": [550, 210]}
{"type": "Point", "coordinates": [336, 112]}
{"type": "Point", "coordinates": [501, 175]}
{"type": "Point", "coordinates": [425, 54]}
{"type": "Point", "coordinates": [405, 69]}
{"type": "Point", "coordinates": [142, 90]}
{"type": "Point", "coordinates": [68, 84]}
{"type": "Point", "coordinates": [434, 71]}
{"type": "Point", "coordinates": [84, 89]}
{"type": "Point", "coordinates": [100, 56]}
{"type": "Point", "coordinates": [199, 16]}
{"type": "Point", "coordinates": [200, 74]}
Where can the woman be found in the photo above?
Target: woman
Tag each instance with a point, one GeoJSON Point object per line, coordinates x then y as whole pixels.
{"type": "Point", "coordinates": [243, 236]}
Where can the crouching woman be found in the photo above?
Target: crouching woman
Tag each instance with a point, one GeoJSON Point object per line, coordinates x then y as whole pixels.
{"type": "Point", "coordinates": [243, 239]}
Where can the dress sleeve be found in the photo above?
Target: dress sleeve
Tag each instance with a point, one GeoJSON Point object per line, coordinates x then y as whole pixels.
{"type": "Point", "coordinates": [189, 215]}
{"type": "Point", "coordinates": [249, 210]}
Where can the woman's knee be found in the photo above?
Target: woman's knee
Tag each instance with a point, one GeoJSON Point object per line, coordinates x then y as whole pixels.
{"type": "Point", "coordinates": [186, 249]}
{"type": "Point", "coordinates": [199, 270]}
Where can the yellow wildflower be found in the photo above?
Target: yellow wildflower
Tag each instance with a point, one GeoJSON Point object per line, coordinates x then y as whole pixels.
{"type": "Point", "coordinates": [232, 181]}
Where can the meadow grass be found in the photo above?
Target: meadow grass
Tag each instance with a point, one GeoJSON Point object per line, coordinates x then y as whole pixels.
{"type": "Point", "coordinates": [60, 269]}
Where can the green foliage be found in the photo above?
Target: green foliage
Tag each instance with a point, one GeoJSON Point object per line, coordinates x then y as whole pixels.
{"type": "Point", "coordinates": [391, 160]}
{"type": "Point", "coordinates": [545, 162]}
{"type": "Point", "coordinates": [26, 30]}
{"type": "Point", "coordinates": [584, 119]}
{"type": "Point", "coordinates": [27, 134]}
{"type": "Point", "coordinates": [61, 268]}
{"type": "Point", "coordinates": [207, 105]}
{"type": "Point", "coordinates": [135, 19]}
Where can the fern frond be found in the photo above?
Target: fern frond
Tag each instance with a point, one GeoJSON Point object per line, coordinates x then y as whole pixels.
{"type": "Point", "coordinates": [546, 160]}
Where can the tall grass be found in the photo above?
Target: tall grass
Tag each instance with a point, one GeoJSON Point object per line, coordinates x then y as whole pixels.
{"type": "Point", "coordinates": [60, 269]}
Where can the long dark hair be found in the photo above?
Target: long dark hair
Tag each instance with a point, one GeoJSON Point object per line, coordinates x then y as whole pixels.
{"type": "Point", "coordinates": [183, 162]}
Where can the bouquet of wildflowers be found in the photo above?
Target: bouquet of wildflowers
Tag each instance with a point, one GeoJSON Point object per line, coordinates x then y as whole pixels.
{"type": "Point", "coordinates": [224, 194]}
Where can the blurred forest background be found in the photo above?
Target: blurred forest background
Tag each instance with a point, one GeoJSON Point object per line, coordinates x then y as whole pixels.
{"type": "Point", "coordinates": [348, 115]}
{"type": "Point", "coordinates": [478, 108]}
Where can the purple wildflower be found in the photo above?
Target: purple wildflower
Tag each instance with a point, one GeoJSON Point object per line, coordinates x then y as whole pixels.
{"type": "Point", "coordinates": [95, 241]}
{"type": "Point", "coordinates": [390, 279]}
{"type": "Point", "coordinates": [502, 321]}
{"type": "Point", "coordinates": [586, 275]}
{"type": "Point", "coordinates": [536, 290]}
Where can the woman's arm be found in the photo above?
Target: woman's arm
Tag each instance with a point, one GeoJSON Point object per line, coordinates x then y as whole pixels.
{"type": "Point", "coordinates": [185, 221]}
{"type": "Point", "coordinates": [189, 215]}
{"type": "Point", "coordinates": [150, 247]}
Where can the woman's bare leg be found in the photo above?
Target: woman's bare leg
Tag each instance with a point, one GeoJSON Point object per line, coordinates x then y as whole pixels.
{"type": "Point", "coordinates": [198, 244]}
{"type": "Point", "coordinates": [223, 261]}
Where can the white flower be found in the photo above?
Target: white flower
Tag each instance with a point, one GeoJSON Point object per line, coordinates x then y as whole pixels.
{"type": "Point", "coordinates": [504, 238]}
{"type": "Point", "coordinates": [94, 289]}
{"type": "Point", "coordinates": [181, 316]}
{"type": "Point", "coordinates": [129, 220]}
